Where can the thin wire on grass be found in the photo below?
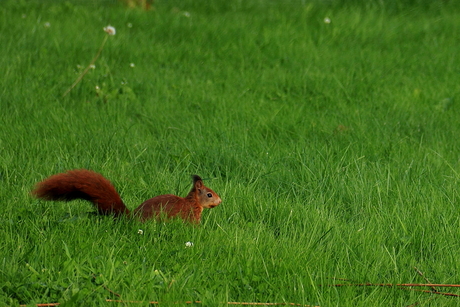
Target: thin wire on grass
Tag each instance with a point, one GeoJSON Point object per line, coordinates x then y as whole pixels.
{"type": "Point", "coordinates": [198, 302]}
{"type": "Point", "coordinates": [186, 302]}
{"type": "Point", "coordinates": [408, 286]}
{"type": "Point", "coordinates": [404, 286]}
{"type": "Point", "coordinates": [401, 286]}
{"type": "Point", "coordinates": [436, 292]}
{"type": "Point", "coordinates": [44, 305]}
{"type": "Point", "coordinates": [228, 303]}
{"type": "Point", "coordinates": [393, 285]}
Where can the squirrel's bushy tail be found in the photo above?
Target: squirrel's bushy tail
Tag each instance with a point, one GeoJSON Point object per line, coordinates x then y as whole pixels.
{"type": "Point", "coordinates": [82, 184]}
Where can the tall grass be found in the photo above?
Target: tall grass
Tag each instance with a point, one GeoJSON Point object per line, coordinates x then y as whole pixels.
{"type": "Point", "coordinates": [333, 146]}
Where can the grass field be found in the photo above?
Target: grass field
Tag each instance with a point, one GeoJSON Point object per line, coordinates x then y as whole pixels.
{"type": "Point", "coordinates": [329, 129]}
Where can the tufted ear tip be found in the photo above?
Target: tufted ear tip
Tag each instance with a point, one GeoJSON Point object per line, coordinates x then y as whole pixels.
{"type": "Point", "coordinates": [197, 182]}
{"type": "Point", "coordinates": [196, 178]}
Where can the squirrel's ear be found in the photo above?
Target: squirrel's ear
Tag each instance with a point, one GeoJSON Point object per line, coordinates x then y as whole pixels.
{"type": "Point", "coordinates": [197, 182]}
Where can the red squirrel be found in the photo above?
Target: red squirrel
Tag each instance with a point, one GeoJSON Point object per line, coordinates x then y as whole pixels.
{"type": "Point", "coordinates": [92, 186]}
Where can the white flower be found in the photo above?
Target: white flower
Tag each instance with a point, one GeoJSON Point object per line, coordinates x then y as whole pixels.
{"type": "Point", "coordinates": [92, 66]}
{"type": "Point", "coordinates": [186, 14]}
{"type": "Point", "coordinates": [131, 65]}
{"type": "Point", "coordinates": [47, 25]}
{"type": "Point", "coordinates": [110, 30]}
{"type": "Point", "coordinates": [188, 244]}
{"type": "Point", "coordinates": [140, 231]}
{"type": "Point", "coordinates": [327, 20]}
{"type": "Point", "coordinates": [129, 25]}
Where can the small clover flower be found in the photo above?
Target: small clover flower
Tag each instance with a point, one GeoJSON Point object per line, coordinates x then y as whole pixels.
{"type": "Point", "coordinates": [327, 20]}
{"type": "Point", "coordinates": [110, 30]}
{"type": "Point", "coordinates": [140, 231]}
{"type": "Point", "coordinates": [188, 244]}
{"type": "Point", "coordinates": [132, 65]}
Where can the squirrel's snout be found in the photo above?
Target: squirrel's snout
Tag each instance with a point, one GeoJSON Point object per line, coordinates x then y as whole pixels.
{"type": "Point", "coordinates": [218, 201]}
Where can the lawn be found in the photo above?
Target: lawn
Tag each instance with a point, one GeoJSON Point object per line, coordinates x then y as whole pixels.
{"type": "Point", "coordinates": [328, 128]}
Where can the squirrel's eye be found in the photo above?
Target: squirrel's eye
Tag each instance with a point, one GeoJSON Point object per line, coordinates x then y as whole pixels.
{"type": "Point", "coordinates": [209, 195]}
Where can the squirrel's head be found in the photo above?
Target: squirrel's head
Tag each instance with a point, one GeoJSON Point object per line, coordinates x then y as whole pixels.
{"type": "Point", "coordinates": [206, 197]}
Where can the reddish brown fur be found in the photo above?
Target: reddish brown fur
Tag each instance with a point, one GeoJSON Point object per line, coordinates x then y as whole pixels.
{"type": "Point", "coordinates": [91, 186]}
{"type": "Point", "coordinates": [168, 205]}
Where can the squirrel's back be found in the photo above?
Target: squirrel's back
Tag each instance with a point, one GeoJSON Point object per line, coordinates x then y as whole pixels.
{"type": "Point", "coordinates": [188, 208]}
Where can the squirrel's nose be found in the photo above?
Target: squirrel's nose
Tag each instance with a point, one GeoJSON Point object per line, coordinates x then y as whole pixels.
{"type": "Point", "coordinates": [218, 201]}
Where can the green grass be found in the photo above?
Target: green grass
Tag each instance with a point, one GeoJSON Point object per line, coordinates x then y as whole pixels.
{"type": "Point", "coordinates": [333, 146]}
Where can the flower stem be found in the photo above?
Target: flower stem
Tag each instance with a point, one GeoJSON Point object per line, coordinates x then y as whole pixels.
{"type": "Point", "coordinates": [87, 68]}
